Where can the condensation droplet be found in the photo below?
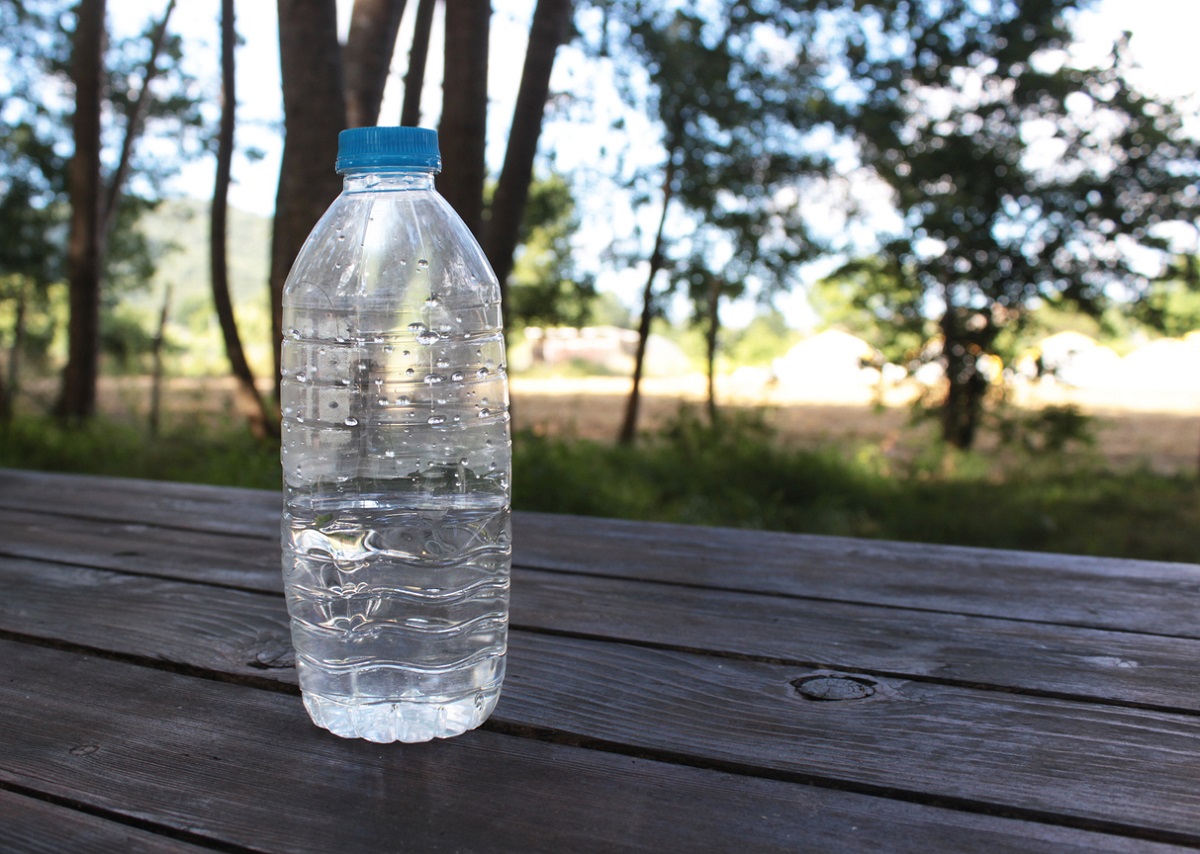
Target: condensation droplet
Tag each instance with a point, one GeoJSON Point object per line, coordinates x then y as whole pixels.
{"type": "Point", "coordinates": [333, 404]}
{"type": "Point", "coordinates": [457, 376]}
{"type": "Point", "coordinates": [422, 263]}
{"type": "Point", "coordinates": [403, 400]}
{"type": "Point", "coordinates": [481, 373]}
{"type": "Point", "coordinates": [484, 413]}
{"type": "Point", "coordinates": [390, 454]}
{"type": "Point", "coordinates": [295, 333]}
{"type": "Point", "coordinates": [383, 401]}
{"type": "Point", "coordinates": [433, 379]}
{"type": "Point", "coordinates": [351, 421]}
{"type": "Point", "coordinates": [388, 348]}
{"type": "Point", "coordinates": [436, 419]}
{"type": "Point", "coordinates": [301, 377]}
{"type": "Point", "coordinates": [409, 372]}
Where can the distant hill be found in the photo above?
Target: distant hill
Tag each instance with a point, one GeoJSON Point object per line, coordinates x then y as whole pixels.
{"type": "Point", "coordinates": [179, 232]}
{"type": "Point", "coordinates": [180, 227]}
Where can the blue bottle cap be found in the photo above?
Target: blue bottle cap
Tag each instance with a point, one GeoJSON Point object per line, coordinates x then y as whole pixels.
{"type": "Point", "coordinates": [389, 148]}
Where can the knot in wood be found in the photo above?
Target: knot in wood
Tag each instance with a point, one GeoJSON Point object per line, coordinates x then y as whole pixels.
{"type": "Point", "coordinates": [830, 687]}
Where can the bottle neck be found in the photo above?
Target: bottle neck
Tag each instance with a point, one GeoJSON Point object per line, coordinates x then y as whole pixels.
{"type": "Point", "coordinates": [374, 180]}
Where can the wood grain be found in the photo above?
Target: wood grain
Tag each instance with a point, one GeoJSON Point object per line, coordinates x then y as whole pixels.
{"type": "Point", "coordinates": [1127, 769]}
{"type": "Point", "coordinates": [1121, 595]}
{"type": "Point", "coordinates": [244, 767]}
{"type": "Point", "coordinates": [1113, 667]}
{"type": "Point", "coordinates": [30, 826]}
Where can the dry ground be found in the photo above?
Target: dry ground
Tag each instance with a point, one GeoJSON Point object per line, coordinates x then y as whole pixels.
{"type": "Point", "coordinates": [1162, 431]}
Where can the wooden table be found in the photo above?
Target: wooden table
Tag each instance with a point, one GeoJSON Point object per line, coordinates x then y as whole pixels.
{"type": "Point", "coordinates": [670, 688]}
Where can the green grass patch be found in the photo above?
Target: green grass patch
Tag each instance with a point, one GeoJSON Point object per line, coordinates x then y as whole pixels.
{"type": "Point", "coordinates": [735, 473]}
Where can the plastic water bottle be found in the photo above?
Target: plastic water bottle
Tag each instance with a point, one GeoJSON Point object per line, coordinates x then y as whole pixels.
{"type": "Point", "coordinates": [396, 454]}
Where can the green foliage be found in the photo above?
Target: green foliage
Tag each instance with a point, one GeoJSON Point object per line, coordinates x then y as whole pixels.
{"type": "Point", "coordinates": [735, 473]}
{"type": "Point", "coordinates": [1018, 177]}
{"type": "Point", "coordinates": [193, 454]}
{"type": "Point", "coordinates": [767, 337]}
{"type": "Point", "coordinates": [545, 287]}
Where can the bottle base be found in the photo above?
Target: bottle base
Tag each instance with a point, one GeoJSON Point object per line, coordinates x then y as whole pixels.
{"type": "Point", "coordinates": [406, 721]}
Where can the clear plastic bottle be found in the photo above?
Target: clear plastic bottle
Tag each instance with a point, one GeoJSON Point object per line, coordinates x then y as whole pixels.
{"type": "Point", "coordinates": [396, 454]}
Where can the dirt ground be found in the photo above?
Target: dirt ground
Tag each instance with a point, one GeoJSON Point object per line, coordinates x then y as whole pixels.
{"type": "Point", "coordinates": [1158, 430]}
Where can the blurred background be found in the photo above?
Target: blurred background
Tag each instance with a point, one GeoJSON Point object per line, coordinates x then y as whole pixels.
{"type": "Point", "coordinates": [908, 269]}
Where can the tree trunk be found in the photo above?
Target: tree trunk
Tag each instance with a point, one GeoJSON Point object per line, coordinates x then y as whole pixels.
{"type": "Point", "coordinates": [11, 385]}
{"type": "Point", "coordinates": [463, 130]}
{"type": "Point", "coordinates": [367, 57]}
{"type": "Point", "coordinates": [77, 401]}
{"type": "Point", "coordinates": [250, 401]}
{"type": "Point", "coordinates": [314, 112]}
{"type": "Point", "coordinates": [713, 307]}
{"type": "Point", "coordinates": [133, 128]}
{"type": "Point", "coordinates": [966, 385]}
{"type": "Point", "coordinates": [156, 378]}
{"type": "Point", "coordinates": [414, 78]}
{"type": "Point", "coordinates": [547, 32]}
{"type": "Point", "coordinates": [629, 422]}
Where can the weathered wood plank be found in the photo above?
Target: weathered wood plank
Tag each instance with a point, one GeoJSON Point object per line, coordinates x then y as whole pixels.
{"type": "Point", "coordinates": [244, 633]}
{"type": "Point", "coordinates": [1124, 595]}
{"type": "Point", "coordinates": [1128, 595]}
{"type": "Point", "coordinates": [200, 507]}
{"type": "Point", "coordinates": [935, 742]}
{"type": "Point", "coordinates": [30, 826]}
{"type": "Point", "coordinates": [244, 767]}
{"type": "Point", "coordinates": [1098, 765]}
{"type": "Point", "coordinates": [213, 558]}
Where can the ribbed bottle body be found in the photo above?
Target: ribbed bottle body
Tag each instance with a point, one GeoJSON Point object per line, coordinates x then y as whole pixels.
{"type": "Point", "coordinates": [397, 463]}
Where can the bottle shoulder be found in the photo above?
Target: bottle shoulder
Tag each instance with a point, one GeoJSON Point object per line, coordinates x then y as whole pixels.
{"type": "Point", "coordinates": [371, 241]}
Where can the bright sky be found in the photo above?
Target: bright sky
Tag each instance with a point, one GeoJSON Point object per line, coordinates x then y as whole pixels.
{"type": "Point", "coordinates": [1161, 43]}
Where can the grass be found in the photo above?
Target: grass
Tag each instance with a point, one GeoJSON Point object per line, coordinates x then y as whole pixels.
{"type": "Point", "coordinates": [734, 473]}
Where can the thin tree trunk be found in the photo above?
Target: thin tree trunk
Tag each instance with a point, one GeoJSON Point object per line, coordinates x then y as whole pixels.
{"type": "Point", "coordinates": [414, 78]}
{"type": "Point", "coordinates": [710, 342]}
{"type": "Point", "coordinates": [12, 383]}
{"type": "Point", "coordinates": [314, 112]}
{"type": "Point", "coordinates": [77, 401]}
{"type": "Point", "coordinates": [261, 422]}
{"type": "Point", "coordinates": [156, 378]}
{"type": "Point", "coordinates": [367, 57]}
{"type": "Point", "coordinates": [463, 130]}
{"type": "Point", "coordinates": [547, 32]}
{"type": "Point", "coordinates": [629, 422]}
{"type": "Point", "coordinates": [133, 127]}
